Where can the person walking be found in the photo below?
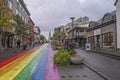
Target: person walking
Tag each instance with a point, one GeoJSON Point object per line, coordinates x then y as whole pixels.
{"type": "Point", "coordinates": [18, 43]}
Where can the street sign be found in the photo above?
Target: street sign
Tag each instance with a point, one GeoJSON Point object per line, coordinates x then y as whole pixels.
{"type": "Point", "coordinates": [87, 46]}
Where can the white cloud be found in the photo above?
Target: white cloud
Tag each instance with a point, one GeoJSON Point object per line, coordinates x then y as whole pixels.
{"type": "Point", "coordinates": [82, 1]}
{"type": "Point", "coordinates": [48, 14]}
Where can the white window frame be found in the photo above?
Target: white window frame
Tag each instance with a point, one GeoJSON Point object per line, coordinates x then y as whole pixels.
{"type": "Point", "coordinates": [10, 4]}
{"type": "Point", "coordinates": [16, 11]}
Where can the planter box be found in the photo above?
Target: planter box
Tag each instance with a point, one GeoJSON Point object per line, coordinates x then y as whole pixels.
{"type": "Point", "coordinates": [76, 59]}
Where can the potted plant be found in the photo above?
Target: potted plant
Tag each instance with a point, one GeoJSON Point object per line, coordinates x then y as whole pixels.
{"type": "Point", "coordinates": [75, 58]}
{"type": "Point", "coordinates": [62, 57]}
{"type": "Point", "coordinates": [65, 57]}
{"type": "Point", "coordinates": [24, 46]}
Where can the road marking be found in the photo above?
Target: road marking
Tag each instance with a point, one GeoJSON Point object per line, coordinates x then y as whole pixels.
{"type": "Point", "coordinates": [14, 71]}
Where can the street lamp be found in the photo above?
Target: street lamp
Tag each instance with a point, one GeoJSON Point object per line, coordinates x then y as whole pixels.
{"type": "Point", "coordinates": [72, 18]}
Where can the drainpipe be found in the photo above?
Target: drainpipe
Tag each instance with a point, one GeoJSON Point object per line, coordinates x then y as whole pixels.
{"type": "Point", "coordinates": [115, 37]}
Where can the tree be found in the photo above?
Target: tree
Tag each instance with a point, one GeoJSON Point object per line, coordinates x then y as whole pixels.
{"type": "Point", "coordinates": [5, 19]}
{"type": "Point", "coordinates": [63, 35]}
{"type": "Point", "coordinates": [42, 38]}
{"type": "Point", "coordinates": [59, 35]}
{"type": "Point", "coordinates": [20, 27]}
{"type": "Point", "coordinates": [5, 16]}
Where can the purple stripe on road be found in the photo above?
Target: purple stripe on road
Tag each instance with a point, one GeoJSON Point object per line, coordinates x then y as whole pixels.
{"type": "Point", "coordinates": [51, 71]}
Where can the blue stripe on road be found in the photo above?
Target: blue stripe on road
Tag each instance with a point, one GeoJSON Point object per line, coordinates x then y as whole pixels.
{"type": "Point", "coordinates": [39, 73]}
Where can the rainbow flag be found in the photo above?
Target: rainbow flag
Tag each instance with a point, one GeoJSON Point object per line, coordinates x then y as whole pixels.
{"type": "Point", "coordinates": [34, 64]}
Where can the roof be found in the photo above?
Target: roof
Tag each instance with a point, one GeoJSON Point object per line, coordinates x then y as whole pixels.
{"type": "Point", "coordinates": [32, 21]}
{"type": "Point", "coordinates": [115, 2]}
{"type": "Point", "coordinates": [79, 28]}
{"type": "Point", "coordinates": [24, 6]}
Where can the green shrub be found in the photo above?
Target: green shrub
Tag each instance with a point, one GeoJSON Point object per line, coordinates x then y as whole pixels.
{"type": "Point", "coordinates": [119, 51]}
{"type": "Point", "coordinates": [24, 46]}
{"type": "Point", "coordinates": [62, 57]}
{"type": "Point", "coordinates": [71, 51]}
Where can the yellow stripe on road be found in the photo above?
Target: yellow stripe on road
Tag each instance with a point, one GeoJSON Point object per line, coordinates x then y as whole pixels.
{"type": "Point", "coordinates": [21, 64]}
{"type": "Point", "coordinates": [12, 64]}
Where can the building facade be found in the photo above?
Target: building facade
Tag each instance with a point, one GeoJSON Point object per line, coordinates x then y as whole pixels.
{"type": "Point", "coordinates": [17, 7]}
{"type": "Point", "coordinates": [102, 33]}
{"type": "Point", "coordinates": [80, 22]}
{"type": "Point", "coordinates": [76, 34]}
{"type": "Point", "coordinates": [57, 30]}
{"type": "Point", "coordinates": [37, 34]}
{"type": "Point", "coordinates": [31, 37]}
{"type": "Point", "coordinates": [117, 4]}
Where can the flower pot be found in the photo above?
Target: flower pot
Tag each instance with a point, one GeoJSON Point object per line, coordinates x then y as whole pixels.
{"type": "Point", "coordinates": [76, 59]}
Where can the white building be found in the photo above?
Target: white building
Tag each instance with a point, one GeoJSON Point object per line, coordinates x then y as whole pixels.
{"type": "Point", "coordinates": [117, 4]}
{"type": "Point", "coordinates": [36, 34]}
{"type": "Point", "coordinates": [18, 7]}
{"type": "Point", "coordinates": [82, 22]}
{"type": "Point", "coordinates": [9, 38]}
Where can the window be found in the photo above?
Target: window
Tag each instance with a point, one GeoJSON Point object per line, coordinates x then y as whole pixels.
{"type": "Point", "coordinates": [16, 12]}
{"type": "Point", "coordinates": [20, 6]}
{"type": "Point", "coordinates": [10, 4]}
{"type": "Point", "coordinates": [107, 39]}
{"type": "Point", "coordinates": [23, 18]}
{"type": "Point", "coordinates": [91, 40]}
{"type": "Point", "coordinates": [20, 14]}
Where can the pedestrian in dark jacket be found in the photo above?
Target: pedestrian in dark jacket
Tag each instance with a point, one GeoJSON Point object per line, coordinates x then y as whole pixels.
{"type": "Point", "coordinates": [18, 43]}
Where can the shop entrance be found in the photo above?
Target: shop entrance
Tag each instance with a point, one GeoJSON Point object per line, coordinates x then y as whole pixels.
{"type": "Point", "coordinates": [98, 40]}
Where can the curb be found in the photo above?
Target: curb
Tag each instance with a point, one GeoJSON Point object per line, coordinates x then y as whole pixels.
{"type": "Point", "coordinates": [100, 74]}
{"type": "Point", "coordinates": [117, 57]}
{"type": "Point", "coordinates": [113, 56]}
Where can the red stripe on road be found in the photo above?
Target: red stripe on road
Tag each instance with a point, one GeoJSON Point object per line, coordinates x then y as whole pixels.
{"type": "Point", "coordinates": [3, 63]}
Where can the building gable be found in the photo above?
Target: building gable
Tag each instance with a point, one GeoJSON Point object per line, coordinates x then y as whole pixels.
{"type": "Point", "coordinates": [116, 2]}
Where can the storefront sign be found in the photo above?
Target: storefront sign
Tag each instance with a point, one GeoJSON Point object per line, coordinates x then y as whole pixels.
{"type": "Point", "coordinates": [97, 32]}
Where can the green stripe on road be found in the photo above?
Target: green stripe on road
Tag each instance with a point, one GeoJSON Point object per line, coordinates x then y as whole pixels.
{"type": "Point", "coordinates": [26, 73]}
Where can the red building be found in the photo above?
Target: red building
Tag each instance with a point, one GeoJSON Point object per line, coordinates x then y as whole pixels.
{"type": "Point", "coordinates": [31, 37]}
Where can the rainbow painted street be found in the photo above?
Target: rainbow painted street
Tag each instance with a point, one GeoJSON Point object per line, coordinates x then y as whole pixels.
{"type": "Point", "coordinates": [34, 64]}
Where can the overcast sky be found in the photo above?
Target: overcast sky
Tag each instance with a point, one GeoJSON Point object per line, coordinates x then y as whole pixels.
{"type": "Point", "coordinates": [48, 14]}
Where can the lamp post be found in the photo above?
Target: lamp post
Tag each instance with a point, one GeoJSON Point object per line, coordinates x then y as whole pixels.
{"type": "Point", "coordinates": [72, 18]}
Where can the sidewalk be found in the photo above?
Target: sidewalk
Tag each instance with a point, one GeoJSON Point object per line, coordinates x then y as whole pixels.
{"type": "Point", "coordinates": [107, 51]}
{"type": "Point", "coordinates": [106, 66]}
{"type": "Point", "coordinates": [9, 52]}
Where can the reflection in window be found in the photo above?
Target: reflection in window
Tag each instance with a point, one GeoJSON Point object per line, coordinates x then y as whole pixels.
{"type": "Point", "coordinates": [91, 40]}
{"type": "Point", "coordinates": [107, 39]}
